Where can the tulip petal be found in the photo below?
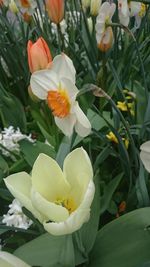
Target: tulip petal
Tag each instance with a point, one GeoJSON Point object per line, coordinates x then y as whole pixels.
{"type": "Point", "coordinates": [64, 67]}
{"type": "Point", "coordinates": [48, 179]}
{"type": "Point", "coordinates": [78, 171]}
{"type": "Point", "coordinates": [19, 185]}
{"type": "Point", "coordinates": [43, 81]}
{"type": "Point", "coordinates": [50, 210]}
{"type": "Point", "coordinates": [66, 124]}
{"type": "Point", "coordinates": [9, 260]}
{"type": "Point", "coordinates": [76, 219]}
{"type": "Point", "coordinates": [82, 126]}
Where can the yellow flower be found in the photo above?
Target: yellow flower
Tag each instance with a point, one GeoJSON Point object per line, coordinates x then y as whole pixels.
{"type": "Point", "coordinates": [122, 106]}
{"type": "Point", "coordinates": [126, 142]}
{"type": "Point", "coordinates": [112, 137]}
{"type": "Point", "coordinates": [60, 200]}
{"type": "Point", "coordinates": [9, 260]}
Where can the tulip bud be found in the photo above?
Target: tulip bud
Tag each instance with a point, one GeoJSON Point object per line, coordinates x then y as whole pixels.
{"type": "Point", "coordinates": [86, 3]}
{"type": "Point", "coordinates": [13, 7]}
{"type": "Point", "coordinates": [39, 55]}
{"type": "Point", "coordinates": [32, 96]}
{"type": "Point", "coordinates": [95, 6]}
{"type": "Point", "coordinates": [107, 40]}
{"type": "Point", "coordinates": [55, 9]}
{"type": "Point", "coordinates": [90, 25]}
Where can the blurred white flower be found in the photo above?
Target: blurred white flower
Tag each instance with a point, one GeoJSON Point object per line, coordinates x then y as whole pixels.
{"type": "Point", "coordinates": [63, 28]}
{"type": "Point", "coordinates": [9, 139]}
{"type": "Point", "coordinates": [86, 3]}
{"type": "Point", "coordinates": [129, 9]}
{"type": "Point", "coordinates": [104, 34]}
{"type": "Point", "coordinates": [9, 260]}
{"type": "Point", "coordinates": [124, 15]}
{"type": "Point", "coordinates": [95, 6]}
{"type": "Point", "coordinates": [15, 216]}
{"type": "Point", "coordinates": [145, 155]}
{"type": "Point", "coordinates": [26, 6]}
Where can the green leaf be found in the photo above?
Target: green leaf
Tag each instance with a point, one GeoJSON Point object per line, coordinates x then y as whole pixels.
{"type": "Point", "coordinates": [123, 242]}
{"type": "Point", "coordinates": [110, 189]}
{"type": "Point", "coordinates": [96, 121]}
{"type": "Point", "coordinates": [139, 90]}
{"type": "Point", "coordinates": [89, 230]}
{"type": "Point", "coordinates": [141, 189]}
{"type": "Point", "coordinates": [32, 150]}
{"type": "Point", "coordinates": [63, 151]}
{"type": "Point", "coordinates": [12, 112]}
{"type": "Point", "coordinates": [3, 168]}
{"type": "Point", "coordinates": [48, 251]}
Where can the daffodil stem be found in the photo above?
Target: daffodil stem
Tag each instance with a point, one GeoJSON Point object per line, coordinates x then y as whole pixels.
{"type": "Point", "coordinates": [124, 123]}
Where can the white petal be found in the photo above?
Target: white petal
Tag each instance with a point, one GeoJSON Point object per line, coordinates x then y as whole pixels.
{"type": "Point", "coordinates": [48, 179]}
{"type": "Point", "coordinates": [82, 126]}
{"type": "Point", "coordinates": [124, 20]}
{"type": "Point", "coordinates": [66, 124]}
{"type": "Point", "coordinates": [19, 185]}
{"type": "Point", "coordinates": [112, 10]}
{"type": "Point", "coordinates": [9, 260]}
{"type": "Point", "coordinates": [77, 218]}
{"type": "Point", "coordinates": [135, 8]}
{"type": "Point", "coordinates": [145, 155]}
{"type": "Point", "coordinates": [50, 210]}
{"type": "Point", "coordinates": [78, 172]}
{"type": "Point", "coordinates": [105, 8]}
{"type": "Point", "coordinates": [43, 81]}
{"type": "Point", "coordinates": [70, 88]}
{"type": "Point", "coordinates": [64, 67]}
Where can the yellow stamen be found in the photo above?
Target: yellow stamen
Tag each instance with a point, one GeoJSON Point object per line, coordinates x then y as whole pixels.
{"type": "Point", "coordinates": [68, 203]}
{"type": "Point", "coordinates": [58, 102]}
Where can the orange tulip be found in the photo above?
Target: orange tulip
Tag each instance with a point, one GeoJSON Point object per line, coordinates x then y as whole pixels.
{"type": "Point", "coordinates": [1, 2]}
{"type": "Point", "coordinates": [39, 55]}
{"type": "Point", "coordinates": [55, 9]}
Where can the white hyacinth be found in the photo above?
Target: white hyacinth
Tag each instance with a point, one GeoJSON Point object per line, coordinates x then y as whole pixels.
{"type": "Point", "coordinates": [15, 217]}
{"type": "Point", "coordinates": [9, 139]}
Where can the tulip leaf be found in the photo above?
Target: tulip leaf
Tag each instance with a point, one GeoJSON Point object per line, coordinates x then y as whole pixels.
{"type": "Point", "coordinates": [32, 150]}
{"type": "Point", "coordinates": [110, 189]}
{"type": "Point", "coordinates": [12, 112]}
{"type": "Point", "coordinates": [48, 251]}
{"type": "Point", "coordinates": [63, 151]}
{"type": "Point", "coordinates": [123, 242]}
{"type": "Point", "coordinates": [141, 189]}
{"type": "Point", "coordinates": [89, 229]}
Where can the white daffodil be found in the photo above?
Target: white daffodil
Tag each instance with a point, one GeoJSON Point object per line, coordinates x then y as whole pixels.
{"type": "Point", "coordinates": [145, 155]}
{"type": "Point", "coordinates": [123, 10]}
{"type": "Point", "coordinates": [26, 6]}
{"type": "Point", "coordinates": [137, 10]}
{"type": "Point", "coordinates": [129, 9]}
{"type": "Point", "coordinates": [104, 34]}
{"type": "Point", "coordinates": [57, 86]}
{"type": "Point", "coordinates": [9, 260]}
{"type": "Point", "coordinates": [60, 200]}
